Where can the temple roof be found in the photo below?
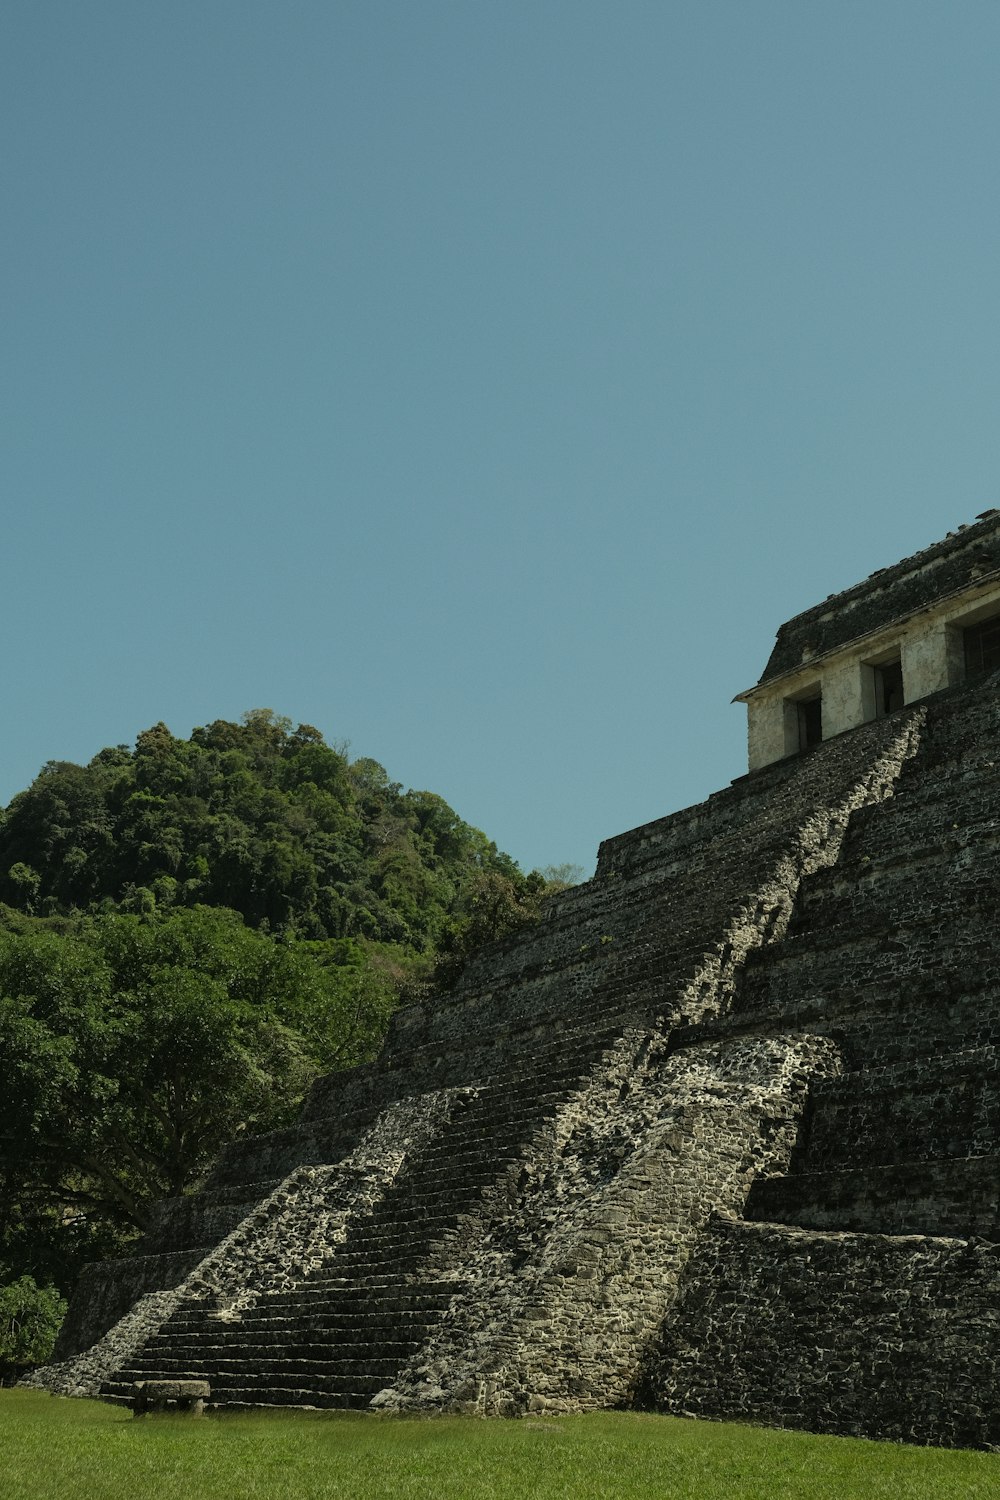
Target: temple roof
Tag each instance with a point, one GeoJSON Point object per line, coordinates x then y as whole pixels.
{"type": "Point", "coordinates": [962, 559]}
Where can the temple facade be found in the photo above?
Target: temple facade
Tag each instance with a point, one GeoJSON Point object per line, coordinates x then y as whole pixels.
{"type": "Point", "coordinates": [931, 622]}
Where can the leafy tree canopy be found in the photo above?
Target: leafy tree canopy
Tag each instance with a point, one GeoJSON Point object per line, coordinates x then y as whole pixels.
{"type": "Point", "coordinates": [133, 1048]}
{"type": "Point", "coordinates": [30, 1316]}
{"type": "Point", "coordinates": [265, 819]}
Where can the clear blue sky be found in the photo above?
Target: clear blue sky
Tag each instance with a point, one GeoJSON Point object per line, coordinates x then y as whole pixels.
{"type": "Point", "coordinates": [481, 381]}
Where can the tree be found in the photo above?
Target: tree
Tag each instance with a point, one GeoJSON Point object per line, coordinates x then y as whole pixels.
{"type": "Point", "coordinates": [24, 883]}
{"type": "Point", "coordinates": [561, 877]}
{"type": "Point", "coordinates": [133, 1049]}
{"type": "Point", "coordinates": [255, 816]}
{"type": "Point", "coordinates": [495, 907]}
{"type": "Point", "coordinates": [30, 1316]}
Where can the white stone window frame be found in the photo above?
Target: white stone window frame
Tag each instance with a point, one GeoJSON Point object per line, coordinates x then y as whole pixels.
{"type": "Point", "coordinates": [956, 637]}
{"type": "Point", "coordinates": [869, 668]}
{"type": "Point", "coordinates": [791, 717]}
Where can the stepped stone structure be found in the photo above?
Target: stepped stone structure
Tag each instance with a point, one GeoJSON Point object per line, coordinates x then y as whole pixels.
{"type": "Point", "coordinates": [720, 1136]}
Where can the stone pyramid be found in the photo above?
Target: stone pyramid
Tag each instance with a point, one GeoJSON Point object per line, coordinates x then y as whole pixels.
{"type": "Point", "coordinates": [720, 1136]}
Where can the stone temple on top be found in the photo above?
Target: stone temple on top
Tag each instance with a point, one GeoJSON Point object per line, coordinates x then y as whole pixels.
{"type": "Point", "coordinates": [904, 633]}
{"type": "Point", "coordinates": [720, 1136]}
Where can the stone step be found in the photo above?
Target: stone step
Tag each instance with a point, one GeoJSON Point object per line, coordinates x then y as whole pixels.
{"type": "Point", "coordinates": [957, 1198]}
{"type": "Point", "coordinates": [344, 1293]}
{"type": "Point", "coordinates": [851, 981]}
{"type": "Point", "coordinates": [389, 1239]}
{"type": "Point", "coordinates": [385, 1343]}
{"type": "Point", "coordinates": [312, 1298]}
{"type": "Point", "coordinates": [328, 1317]}
{"type": "Point", "coordinates": [390, 1331]}
{"type": "Point", "coordinates": [287, 1343]}
{"type": "Point", "coordinates": [429, 1192]}
{"type": "Point", "coordinates": [329, 1314]}
{"type": "Point", "coordinates": [242, 1398]}
{"type": "Point", "coordinates": [253, 1369]}
{"type": "Point", "coordinates": [374, 1323]}
{"type": "Point", "coordinates": [370, 1271]}
{"type": "Point", "coordinates": [925, 1070]}
{"type": "Point", "coordinates": [408, 1214]}
{"type": "Point", "coordinates": [348, 1301]}
{"type": "Point", "coordinates": [237, 1401]}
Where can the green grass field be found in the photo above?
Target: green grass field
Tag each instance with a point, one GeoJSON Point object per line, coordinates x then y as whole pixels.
{"type": "Point", "coordinates": [53, 1449]}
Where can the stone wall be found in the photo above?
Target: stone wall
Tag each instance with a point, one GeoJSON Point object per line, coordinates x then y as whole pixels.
{"type": "Point", "coordinates": [950, 1197]}
{"type": "Point", "coordinates": [864, 1335]}
{"type": "Point", "coordinates": [107, 1290]}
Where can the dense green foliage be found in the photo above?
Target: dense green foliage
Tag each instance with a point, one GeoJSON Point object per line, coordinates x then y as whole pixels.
{"type": "Point", "coordinates": [30, 1316]}
{"type": "Point", "coordinates": [49, 1447]}
{"type": "Point", "coordinates": [189, 933]}
{"type": "Point", "coordinates": [133, 1047]}
{"type": "Point", "coordinates": [269, 821]}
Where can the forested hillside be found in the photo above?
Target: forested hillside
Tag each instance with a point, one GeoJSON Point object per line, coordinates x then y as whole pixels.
{"type": "Point", "coordinates": [190, 931]}
{"type": "Point", "coordinates": [259, 817]}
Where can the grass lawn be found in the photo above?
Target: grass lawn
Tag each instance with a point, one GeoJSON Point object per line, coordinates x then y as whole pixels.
{"type": "Point", "coordinates": [56, 1449]}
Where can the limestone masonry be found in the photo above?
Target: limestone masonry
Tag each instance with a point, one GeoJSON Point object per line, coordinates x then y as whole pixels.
{"type": "Point", "coordinates": [718, 1137]}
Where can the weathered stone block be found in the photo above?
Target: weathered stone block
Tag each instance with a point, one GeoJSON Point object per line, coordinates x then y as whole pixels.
{"type": "Point", "coordinates": [158, 1397]}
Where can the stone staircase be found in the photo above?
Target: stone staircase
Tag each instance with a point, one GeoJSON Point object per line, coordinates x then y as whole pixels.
{"type": "Point", "coordinates": [342, 1334]}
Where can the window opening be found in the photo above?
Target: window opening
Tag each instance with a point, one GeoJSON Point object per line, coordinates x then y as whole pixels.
{"type": "Point", "coordinates": [982, 648]}
{"type": "Point", "coordinates": [888, 688]}
{"type": "Point", "coordinates": [810, 715]}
